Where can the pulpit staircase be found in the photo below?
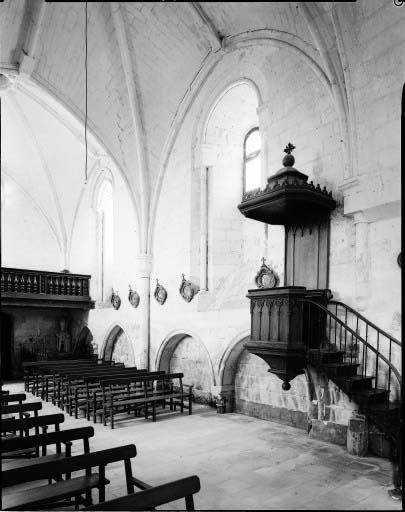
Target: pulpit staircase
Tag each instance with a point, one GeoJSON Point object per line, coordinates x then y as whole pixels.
{"type": "Point", "coordinates": [358, 357]}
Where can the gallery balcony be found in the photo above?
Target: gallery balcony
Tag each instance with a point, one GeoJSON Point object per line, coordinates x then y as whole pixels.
{"type": "Point", "coordinates": [37, 288]}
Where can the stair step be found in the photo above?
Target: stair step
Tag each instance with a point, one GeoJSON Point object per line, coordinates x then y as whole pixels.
{"type": "Point", "coordinates": [369, 397]}
{"type": "Point", "coordinates": [354, 383]}
{"type": "Point", "coordinates": [341, 369]}
{"type": "Point", "coordinates": [325, 356]}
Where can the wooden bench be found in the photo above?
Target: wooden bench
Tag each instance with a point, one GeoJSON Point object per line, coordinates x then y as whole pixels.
{"type": "Point", "coordinates": [15, 397]}
{"type": "Point", "coordinates": [94, 396]}
{"type": "Point", "coordinates": [155, 496]}
{"type": "Point", "coordinates": [13, 499]}
{"type": "Point", "coordinates": [29, 367]}
{"type": "Point", "coordinates": [38, 387]}
{"type": "Point", "coordinates": [11, 448]}
{"type": "Point", "coordinates": [68, 381]}
{"type": "Point", "coordinates": [26, 424]}
{"type": "Point", "coordinates": [22, 409]}
{"type": "Point", "coordinates": [52, 379]}
{"type": "Point", "coordinates": [63, 378]}
{"type": "Point", "coordinates": [168, 394]}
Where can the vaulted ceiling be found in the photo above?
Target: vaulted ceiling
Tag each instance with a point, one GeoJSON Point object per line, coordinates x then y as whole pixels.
{"type": "Point", "coordinates": [146, 62]}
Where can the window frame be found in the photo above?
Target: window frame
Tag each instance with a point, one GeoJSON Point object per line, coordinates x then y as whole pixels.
{"type": "Point", "coordinates": [250, 157]}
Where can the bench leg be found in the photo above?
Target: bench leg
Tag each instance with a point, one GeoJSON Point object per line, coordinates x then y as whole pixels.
{"type": "Point", "coordinates": [190, 407]}
{"type": "Point", "coordinates": [154, 411]}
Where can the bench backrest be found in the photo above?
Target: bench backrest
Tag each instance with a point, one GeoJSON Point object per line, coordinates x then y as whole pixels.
{"type": "Point", "coordinates": [12, 425]}
{"type": "Point", "coordinates": [16, 397]}
{"type": "Point", "coordinates": [94, 373]}
{"type": "Point", "coordinates": [48, 469]}
{"type": "Point", "coordinates": [23, 443]}
{"type": "Point", "coordinates": [141, 378]}
{"type": "Point", "coordinates": [155, 496]}
{"type": "Point", "coordinates": [33, 364]}
{"type": "Point", "coordinates": [62, 368]}
{"type": "Point", "coordinates": [20, 408]}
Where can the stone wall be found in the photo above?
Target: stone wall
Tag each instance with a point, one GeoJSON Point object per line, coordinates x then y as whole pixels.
{"type": "Point", "coordinates": [190, 357]}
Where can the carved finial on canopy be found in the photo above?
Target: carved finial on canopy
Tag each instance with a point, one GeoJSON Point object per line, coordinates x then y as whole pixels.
{"type": "Point", "coordinates": [288, 160]}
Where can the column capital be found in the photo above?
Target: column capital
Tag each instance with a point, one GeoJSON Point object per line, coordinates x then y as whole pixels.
{"type": "Point", "coordinates": [144, 265]}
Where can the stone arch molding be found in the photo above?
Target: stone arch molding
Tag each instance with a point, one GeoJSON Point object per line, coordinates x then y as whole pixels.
{"type": "Point", "coordinates": [169, 344]}
{"type": "Point", "coordinates": [309, 54]}
{"type": "Point", "coordinates": [110, 338]}
{"type": "Point", "coordinates": [229, 359]}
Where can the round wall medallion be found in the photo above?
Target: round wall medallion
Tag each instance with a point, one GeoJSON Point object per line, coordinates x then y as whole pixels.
{"type": "Point", "coordinates": [133, 297]}
{"type": "Point", "coordinates": [266, 278]}
{"type": "Point", "coordinates": [115, 300]}
{"type": "Point", "coordinates": [187, 289]}
{"type": "Point", "coordinates": [160, 293]}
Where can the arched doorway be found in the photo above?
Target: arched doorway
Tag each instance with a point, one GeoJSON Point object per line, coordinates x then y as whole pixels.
{"type": "Point", "coordinates": [118, 347]}
{"type": "Point", "coordinates": [184, 353]}
{"type": "Point", "coordinates": [7, 347]}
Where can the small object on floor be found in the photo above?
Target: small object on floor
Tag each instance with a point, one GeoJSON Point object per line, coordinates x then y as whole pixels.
{"type": "Point", "coordinates": [395, 494]}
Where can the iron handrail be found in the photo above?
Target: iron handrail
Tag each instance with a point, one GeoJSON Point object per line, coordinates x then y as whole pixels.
{"type": "Point", "coordinates": [366, 321]}
{"type": "Point", "coordinates": [353, 333]}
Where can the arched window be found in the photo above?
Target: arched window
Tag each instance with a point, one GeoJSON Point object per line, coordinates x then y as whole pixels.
{"type": "Point", "coordinates": [105, 242]}
{"type": "Point", "coordinates": [251, 161]}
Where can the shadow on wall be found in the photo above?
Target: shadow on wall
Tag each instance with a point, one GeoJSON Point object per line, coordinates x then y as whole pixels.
{"type": "Point", "coordinates": [84, 345]}
{"type": "Point", "coordinates": [118, 347]}
{"type": "Point", "coordinates": [184, 353]}
{"type": "Point", "coordinates": [8, 360]}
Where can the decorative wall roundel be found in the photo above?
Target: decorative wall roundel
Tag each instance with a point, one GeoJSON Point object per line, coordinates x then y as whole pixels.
{"type": "Point", "coordinates": [187, 289]}
{"type": "Point", "coordinates": [266, 277]}
{"type": "Point", "coordinates": [160, 293]}
{"type": "Point", "coordinates": [133, 297]}
{"type": "Point", "coordinates": [115, 300]}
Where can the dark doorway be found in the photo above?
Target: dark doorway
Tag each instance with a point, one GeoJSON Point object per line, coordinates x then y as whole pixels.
{"type": "Point", "coordinates": [7, 347]}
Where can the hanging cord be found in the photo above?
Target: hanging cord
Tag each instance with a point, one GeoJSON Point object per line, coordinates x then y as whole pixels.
{"type": "Point", "coordinates": [85, 115]}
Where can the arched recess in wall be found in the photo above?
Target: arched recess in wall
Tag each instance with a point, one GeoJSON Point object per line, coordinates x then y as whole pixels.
{"type": "Point", "coordinates": [257, 392]}
{"type": "Point", "coordinates": [184, 352]}
{"type": "Point", "coordinates": [118, 347]}
{"type": "Point", "coordinates": [220, 154]}
{"type": "Point", "coordinates": [84, 345]}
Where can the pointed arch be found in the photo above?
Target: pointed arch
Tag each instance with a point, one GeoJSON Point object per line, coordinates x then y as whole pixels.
{"type": "Point", "coordinates": [109, 342]}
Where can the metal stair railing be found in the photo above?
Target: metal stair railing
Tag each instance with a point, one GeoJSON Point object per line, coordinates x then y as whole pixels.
{"type": "Point", "coordinates": [335, 334]}
{"type": "Point", "coordinates": [363, 324]}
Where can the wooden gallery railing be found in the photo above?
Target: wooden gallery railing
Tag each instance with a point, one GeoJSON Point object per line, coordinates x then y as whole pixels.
{"type": "Point", "coordinates": [37, 282]}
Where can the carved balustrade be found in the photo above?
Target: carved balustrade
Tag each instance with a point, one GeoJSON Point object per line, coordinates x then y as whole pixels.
{"type": "Point", "coordinates": [30, 285]}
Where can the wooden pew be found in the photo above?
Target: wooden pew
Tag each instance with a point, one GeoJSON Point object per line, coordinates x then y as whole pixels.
{"type": "Point", "coordinates": [26, 424]}
{"type": "Point", "coordinates": [94, 396]}
{"type": "Point", "coordinates": [22, 409]}
{"type": "Point", "coordinates": [155, 496]}
{"type": "Point", "coordinates": [64, 377]}
{"type": "Point", "coordinates": [54, 493]}
{"type": "Point", "coordinates": [15, 397]}
{"type": "Point", "coordinates": [43, 371]}
{"type": "Point", "coordinates": [68, 380]}
{"type": "Point", "coordinates": [10, 448]}
{"type": "Point", "coordinates": [146, 397]}
{"type": "Point", "coordinates": [29, 367]}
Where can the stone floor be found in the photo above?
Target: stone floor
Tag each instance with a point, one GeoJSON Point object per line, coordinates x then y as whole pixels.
{"type": "Point", "coordinates": [243, 463]}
